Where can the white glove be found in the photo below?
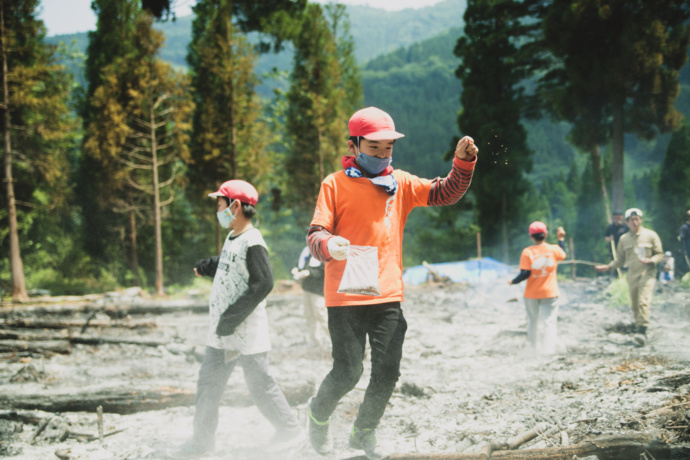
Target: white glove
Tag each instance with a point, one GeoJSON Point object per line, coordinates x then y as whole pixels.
{"type": "Point", "coordinates": [298, 274]}
{"type": "Point", "coordinates": [339, 247]}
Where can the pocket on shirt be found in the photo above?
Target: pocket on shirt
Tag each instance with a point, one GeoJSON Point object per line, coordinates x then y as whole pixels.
{"type": "Point", "coordinates": [647, 249]}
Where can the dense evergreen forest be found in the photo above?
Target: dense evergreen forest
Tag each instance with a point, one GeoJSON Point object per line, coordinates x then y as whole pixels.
{"type": "Point", "coordinates": [91, 217]}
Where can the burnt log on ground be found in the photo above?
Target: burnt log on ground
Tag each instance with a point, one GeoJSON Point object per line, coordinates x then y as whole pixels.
{"type": "Point", "coordinates": [36, 346]}
{"type": "Point", "coordinates": [114, 310]}
{"type": "Point", "coordinates": [133, 400]}
{"type": "Point", "coordinates": [34, 323]}
{"type": "Point", "coordinates": [18, 334]}
{"type": "Point", "coordinates": [118, 309]}
{"type": "Point", "coordinates": [19, 342]}
{"type": "Point", "coordinates": [31, 417]}
{"type": "Point", "coordinates": [620, 447]}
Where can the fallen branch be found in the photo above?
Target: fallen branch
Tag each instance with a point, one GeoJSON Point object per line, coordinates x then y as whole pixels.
{"type": "Point", "coordinates": [59, 343]}
{"type": "Point", "coordinates": [39, 429]}
{"type": "Point", "coordinates": [113, 310]}
{"type": "Point", "coordinates": [26, 335]}
{"type": "Point", "coordinates": [133, 400]}
{"type": "Point", "coordinates": [517, 441]}
{"type": "Point", "coordinates": [38, 346]}
{"type": "Point", "coordinates": [99, 340]}
{"type": "Point", "coordinates": [84, 437]}
{"type": "Point", "coordinates": [22, 416]}
{"type": "Point", "coordinates": [608, 447]}
{"type": "Point", "coordinates": [438, 278]}
{"type": "Point", "coordinates": [31, 323]}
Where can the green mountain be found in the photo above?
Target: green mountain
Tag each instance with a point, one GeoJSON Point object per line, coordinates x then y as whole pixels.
{"type": "Point", "coordinates": [418, 87]}
{"type": "Point", "coordinates": [374, 31]}
{"type": "Point", "coordinates": [408, 69]}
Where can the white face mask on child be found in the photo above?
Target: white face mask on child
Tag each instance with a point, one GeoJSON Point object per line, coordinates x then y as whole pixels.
{"type": "Point", "coordinates": [225, 217]}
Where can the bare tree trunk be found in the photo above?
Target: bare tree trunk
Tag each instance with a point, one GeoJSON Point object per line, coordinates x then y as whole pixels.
{"type": "Point", "coordinates": [156, 202]}
{"type": "Point", "coordinates": [16, 265]}
{"type": "Point", "coordinates": [322, 172]}
{"type": "Point", "coordinates": [617, 163]}
{"type": "Point", "coordinates": [133, 251]}
{"type": "Point", "coordinates": [504, 229]}
{"type": "Point", "coordinates": [231, 97]}
{"type": "Point", "coordinates": [599, 179]}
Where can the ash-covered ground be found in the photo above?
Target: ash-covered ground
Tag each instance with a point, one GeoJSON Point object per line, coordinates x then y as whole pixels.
{"type": "Point", "coordinates": [467, 379]}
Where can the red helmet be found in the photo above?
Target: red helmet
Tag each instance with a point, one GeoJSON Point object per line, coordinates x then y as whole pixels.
{"type": "Point", "coordinates": [237, 190]}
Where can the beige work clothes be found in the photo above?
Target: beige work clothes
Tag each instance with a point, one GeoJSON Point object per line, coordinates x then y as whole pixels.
{"type": "Point", "coordinates": [641, 277]}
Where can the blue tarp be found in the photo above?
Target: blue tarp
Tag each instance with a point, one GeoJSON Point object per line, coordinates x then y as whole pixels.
{"type": "Point", "coordinates": [470, 271]}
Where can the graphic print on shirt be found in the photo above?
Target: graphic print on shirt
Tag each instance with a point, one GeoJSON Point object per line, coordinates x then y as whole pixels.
{"type": "Point", "coordinates": [388, 210]}
{"type": "Point", "coordinates": [542, 264]}
{"type": "Point", "coordinates": [230, 282]}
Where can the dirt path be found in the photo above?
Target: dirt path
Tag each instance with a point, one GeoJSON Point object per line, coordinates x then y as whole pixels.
{"type": "Point", "coordinates": [467, 378]}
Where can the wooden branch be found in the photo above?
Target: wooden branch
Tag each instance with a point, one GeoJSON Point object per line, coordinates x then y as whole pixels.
{"type": "Point", "coordinates": [168, 200]}
{"type": "Point", "coordinates": [91, 316]}
{"type": "Point", "coordinates": [9, 334]}
{"type": "Point", "coordinates": [133, 165]}
{"type": "Point", "coordinates": [31, 323]}
{"type": "Point", "coordinates": [132, 148]}
{"type": "Point", "coordinates": [101, 340]}
{"type": "Point", "coordinates": [71, 305]}
{"type": "Point", "coordinates": [31, 417]}
{"type": "Point", "coordinates": [160, 124]}
{"type": "Point", "coordinates": [541, 429]}
{"type": "Point", "coordinates": [167, 145]}
{"type": "Point", "coordinates": [515, 442]}
{"type": "Point", "coordinates": [131, 400]}
{"type": "Point", "coordinates": [41, 426]}
{"type": "Point", "coordinates": [99, 422]}
{"type": "Point", "coordinates": [160, 99]}
{"type": "Point", "coordinates": [85, 437]}
{"type": "Point", "coordinates": [144, 158]}
{"type": "Point", "coordinates": [434, 274]}
{"type": "Point", "coordinates": [167, 182]}
{"type": "Point", "coordinates": [609, 447]}
{"type": "Point", "coordinates": [140, 122]}
{"type": "Point", "coordinates": [132, 183]}
{"type": "Point", "coordinates": [38, 346]}
{"type": "Point", "coordinates": [571, 261]}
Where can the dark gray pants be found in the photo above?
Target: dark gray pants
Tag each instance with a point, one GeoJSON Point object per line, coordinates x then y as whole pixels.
{"type": "Point", "coordinates": [213, 377]}
{"type": "Point", "coordinates": [349, 326]}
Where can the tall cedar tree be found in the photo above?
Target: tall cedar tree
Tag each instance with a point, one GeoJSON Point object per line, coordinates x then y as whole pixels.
{"type": "Point", "coordinates": [35, 124]}
{"type": "Point", "coordinates": [229, 138]}
{"type": "Point", "coordinates": [351, 75]}
{"type": "Point", "coordinates": [491, 111]}
{"type": "Point", "coordinates": [620, 61]}
{"type": "Point", "coordinates": [151, 129]}
{"type": "Point", "coordinates": [319, 104]}
{"type": "Point", "coordinates": [673, 200]}
{"type": "Point", "coordinates": [100, 182]}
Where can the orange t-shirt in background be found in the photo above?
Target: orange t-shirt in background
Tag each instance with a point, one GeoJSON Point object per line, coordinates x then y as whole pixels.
{"type": "Point", "coordinates": [366, 215]}
{"type": "Point", "coordinates": [542, 261]}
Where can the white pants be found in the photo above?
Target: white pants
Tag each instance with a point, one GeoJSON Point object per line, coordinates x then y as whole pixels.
{"type": "Point", "coordinates": [317, 319]}
{"type": "Point", "coordinates": [542, 327]}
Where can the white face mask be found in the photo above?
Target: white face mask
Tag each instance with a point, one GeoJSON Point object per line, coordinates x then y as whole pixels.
{"type": "Point", "coordinates": [225, 217]}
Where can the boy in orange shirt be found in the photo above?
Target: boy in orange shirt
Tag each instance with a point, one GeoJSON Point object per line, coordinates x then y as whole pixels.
{"type": "Point", "coordinates": [538, 265]}
{"type": "Point", "coordinates": [367, 204]}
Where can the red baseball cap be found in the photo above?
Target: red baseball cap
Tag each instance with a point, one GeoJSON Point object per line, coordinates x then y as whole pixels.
{"type": "Point", "coordinates": [237, 190]}
{"type": "Point", "coordinates": [537, 227]}
{"type": "Point", "coordinates": [372, 123]}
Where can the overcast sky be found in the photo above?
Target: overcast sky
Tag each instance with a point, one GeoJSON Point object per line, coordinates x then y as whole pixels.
{"type": "Point", "coordinates": [71, 16]}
